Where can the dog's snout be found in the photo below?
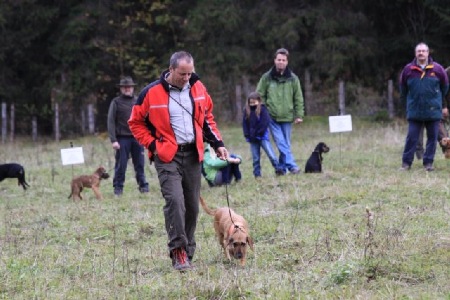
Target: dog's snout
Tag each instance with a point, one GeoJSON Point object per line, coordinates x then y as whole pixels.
{"type": "Point", "coordinates": [325, 147]}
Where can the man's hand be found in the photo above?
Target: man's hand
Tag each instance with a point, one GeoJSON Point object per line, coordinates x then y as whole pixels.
{"type": "Point", "coordinates": [116, 145]}
{"type": "Point", "coordinates": [298, 120]}
{"type": "Point", "coordinates": [233, 160]}
{"type": "Point", "coordinates": [222, 153]}
{"type": "Point", "coordinates": [445, 112]}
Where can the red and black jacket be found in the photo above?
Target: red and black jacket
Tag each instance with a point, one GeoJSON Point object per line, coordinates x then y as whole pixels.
{"type": "Point", "coordinates": [150, 120]}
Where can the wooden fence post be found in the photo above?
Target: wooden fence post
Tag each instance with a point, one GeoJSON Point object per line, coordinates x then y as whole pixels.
{"type": "Point", "coordinates": [91, 119]}
{"type": "Point", "coordinates": [390, 99]}
{"type": "Point", "coordinates": [309, 103]}
{"type": "Point", "coordinates": [12, 121]}
{"type": "Point", "coordinates": [238, 103]}
{"type": "Point", "coordinates": [341, 98]}
{"type": "Point", "coordinates": [83, 121]}
{"type": "Point", "coordinates": [57, 129]}
{"type": "Point", "coordinates": [4, 122]}
{"type": "Point", "coordinates": [34, 128]}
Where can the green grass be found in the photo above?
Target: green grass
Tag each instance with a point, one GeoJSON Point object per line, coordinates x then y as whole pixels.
{"type": "Point", "coordinates": [360, 230]}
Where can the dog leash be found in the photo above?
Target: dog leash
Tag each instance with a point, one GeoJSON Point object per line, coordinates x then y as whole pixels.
{"type": "Point", "coordinates": [228, 204]}
{"type": "Point", "coordinates": [205, 139]}
{"type": "Point", "coordinates": [236, 227]}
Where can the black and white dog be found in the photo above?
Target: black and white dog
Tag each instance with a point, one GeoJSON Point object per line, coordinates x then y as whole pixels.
{"type": "Point", "coordinates": [314, 163]}
{"type": "Point", "coordinates": [13, 170]}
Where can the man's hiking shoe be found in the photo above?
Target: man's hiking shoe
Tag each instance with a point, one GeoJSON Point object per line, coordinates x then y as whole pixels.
{"type": "Point", "coordinates": [405, 167]}
{"type": "Point", "coordinates": [118, 192]}
{"type": "Point", "coordinates": [143, 189]}
{"type": "Point", "coordinates": [295, 171]}
{"type": "Point", "coordinates": [428, 167]}
{"type": "Point", "coordinates": [180, 260]}
{"type": "Point", "coordinates": [280, 172]}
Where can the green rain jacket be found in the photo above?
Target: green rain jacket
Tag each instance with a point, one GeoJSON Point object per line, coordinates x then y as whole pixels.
{"type": "Point", "coordinates": [282, 95]}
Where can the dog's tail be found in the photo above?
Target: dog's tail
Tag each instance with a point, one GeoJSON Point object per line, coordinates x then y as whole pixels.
{"type": "Point", "coordinates": [208, 210]}
{"type": "Point", "coordinates": [71, 192]}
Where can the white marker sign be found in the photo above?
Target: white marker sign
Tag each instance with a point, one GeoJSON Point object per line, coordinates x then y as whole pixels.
{"type": "Point", "coordinates": [340, 123]}
{"type": "Point", "coordinates": [72, 156]}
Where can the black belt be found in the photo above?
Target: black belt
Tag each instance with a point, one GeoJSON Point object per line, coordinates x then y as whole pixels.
{"type": "Point", "coordinates": [187, 147]}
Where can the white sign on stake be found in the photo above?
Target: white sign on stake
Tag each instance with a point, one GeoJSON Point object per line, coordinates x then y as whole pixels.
{"type": "Point", "coordinates": [72, 156]}
{"type": "Point", "coordinates": [340, 123]}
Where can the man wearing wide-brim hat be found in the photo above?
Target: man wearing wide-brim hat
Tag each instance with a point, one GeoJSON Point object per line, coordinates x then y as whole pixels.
{"type": "Point", "coordinates": [126, 82]}
{"type": "Point", "coordinates": [123, 142]}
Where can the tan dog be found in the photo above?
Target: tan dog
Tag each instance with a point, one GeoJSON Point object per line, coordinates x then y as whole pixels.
{"type": "Point", "coordinates": [88, 181]}
{"type": "Point", "coordinates": [232, 232]}
{"type": "Point", "coordinates": [445, 143]}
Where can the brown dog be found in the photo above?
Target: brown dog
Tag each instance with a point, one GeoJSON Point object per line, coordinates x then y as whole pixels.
{"type": "Point", "coordinates": [232, 232]}
{"type": "Point", "coordinates": [445, 144]}
{"type": "Point", "coordinates": [88, 181]}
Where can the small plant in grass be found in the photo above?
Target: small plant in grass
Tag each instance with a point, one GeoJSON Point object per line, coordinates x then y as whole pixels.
{"type": "Point", "coordinates": [342, 272]}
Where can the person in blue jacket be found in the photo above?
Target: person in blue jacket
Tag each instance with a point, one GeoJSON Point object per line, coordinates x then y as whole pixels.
{"type": "Point", "coordinates": [423, 86]}
{"type": "Point", "coordinates": [255, 125]}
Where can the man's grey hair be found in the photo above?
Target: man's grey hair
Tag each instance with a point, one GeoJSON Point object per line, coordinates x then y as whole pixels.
{"type": "Point", "coordinates": [180, 55]}
{"type": "Point", "coordinates": [421, 44]}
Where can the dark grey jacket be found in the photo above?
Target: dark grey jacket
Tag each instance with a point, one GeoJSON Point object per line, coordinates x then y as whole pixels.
{"type": "Point", "coordinates": [118, 114]}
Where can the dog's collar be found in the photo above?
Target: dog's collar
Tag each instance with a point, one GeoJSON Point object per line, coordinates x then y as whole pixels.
{"type": "Point", "coordinates": [233, 228]}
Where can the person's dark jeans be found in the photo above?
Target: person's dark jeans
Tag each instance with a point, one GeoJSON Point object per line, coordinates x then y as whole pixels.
{"type": "Point", "coordinates": [255, 148]}
{"type": "Point", "coordinates": [225, 175]}
{"type": "Point", "coordinates": [228, 172]}
{"type": "Point", "coordinates": [281, 133]}
{"type": "Point", "coordinates": [442, 133]}
{"type": "Point", "coordinates": [129, 147]}
{"type": "Point", "coordinates": [412, 139]}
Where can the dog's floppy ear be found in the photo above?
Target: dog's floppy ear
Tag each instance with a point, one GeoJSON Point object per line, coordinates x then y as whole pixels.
{"type": "Point", "coordinates": [250, 243]}
{"type": "Point", "coordinates": [100, 170]}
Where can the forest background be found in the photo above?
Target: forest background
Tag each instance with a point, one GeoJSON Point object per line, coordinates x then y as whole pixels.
{"type": "Point", "coordinates": [73, 53]}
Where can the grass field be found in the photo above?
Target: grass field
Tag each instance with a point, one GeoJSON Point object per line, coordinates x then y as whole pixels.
{"type": "Point", "coordinates": [362, 229]}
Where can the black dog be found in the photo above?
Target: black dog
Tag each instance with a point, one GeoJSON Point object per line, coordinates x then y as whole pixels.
{"type": "Point", "coordinates": [314, 163]}
{"type": "Point", "coordinates": [14, 171]}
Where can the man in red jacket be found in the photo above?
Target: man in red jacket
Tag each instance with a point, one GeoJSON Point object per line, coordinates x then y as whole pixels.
{"type": "Point", "coordinates": [172, 118]}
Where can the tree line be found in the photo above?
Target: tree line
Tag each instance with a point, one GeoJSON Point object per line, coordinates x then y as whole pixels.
{"type": "Point", "coordinates": [72, 53]}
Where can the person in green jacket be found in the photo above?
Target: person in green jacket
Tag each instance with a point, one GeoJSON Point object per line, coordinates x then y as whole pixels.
{"type": "Point", "coordinates": [281, 91]}
{"type": "Point", "coordinates": [217, 171]}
